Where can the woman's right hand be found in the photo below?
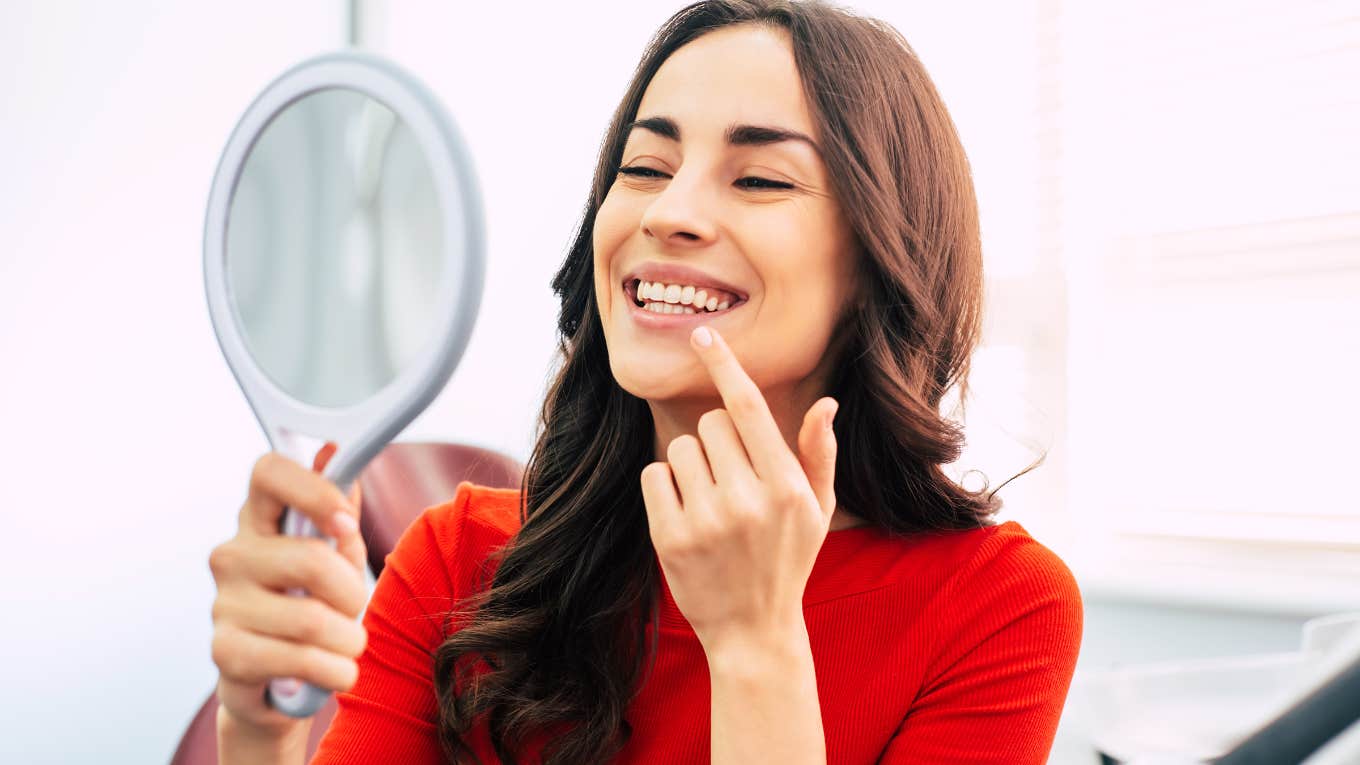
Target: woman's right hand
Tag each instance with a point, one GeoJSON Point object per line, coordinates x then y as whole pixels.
{"type": "Point", "coordinates": [259, 631]}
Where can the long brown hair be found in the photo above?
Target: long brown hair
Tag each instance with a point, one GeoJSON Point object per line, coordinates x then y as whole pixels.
{"type": "Point", "coordinates": [555, 645]}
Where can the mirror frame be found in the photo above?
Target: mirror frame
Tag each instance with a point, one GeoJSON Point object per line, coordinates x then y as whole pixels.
{"type": "Point", "coordinates": [361, 430]}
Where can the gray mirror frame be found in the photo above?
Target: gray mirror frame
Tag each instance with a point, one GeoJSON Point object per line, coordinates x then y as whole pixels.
{"type": "Point", "coordinates": [361, 430]}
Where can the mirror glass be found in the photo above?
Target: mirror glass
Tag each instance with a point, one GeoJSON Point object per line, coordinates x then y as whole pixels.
{"type": "Point", "coordinates": [334, 248]}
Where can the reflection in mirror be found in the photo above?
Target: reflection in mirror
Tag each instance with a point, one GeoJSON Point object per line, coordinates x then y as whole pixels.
{"type": "Point", "coordinates": [334, 245]}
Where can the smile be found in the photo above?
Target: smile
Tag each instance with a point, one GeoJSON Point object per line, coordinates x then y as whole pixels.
{"type": "Point", "coordinates": [660, 298]}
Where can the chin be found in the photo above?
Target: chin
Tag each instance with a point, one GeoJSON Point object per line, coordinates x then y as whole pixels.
{"type": "Point", "coordinates": [657, 383]}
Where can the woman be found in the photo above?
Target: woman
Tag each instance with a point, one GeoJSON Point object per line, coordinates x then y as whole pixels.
{"type": "Point", "coordinates": [698, 566]}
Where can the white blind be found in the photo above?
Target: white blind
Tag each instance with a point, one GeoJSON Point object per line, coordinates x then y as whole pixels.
{"type": "Point", "coordinates": [1208, 193]}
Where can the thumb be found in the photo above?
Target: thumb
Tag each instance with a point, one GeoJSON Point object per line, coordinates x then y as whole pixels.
{"type": "Point", "coordinates": [817, 452]}
{"type": "Point", "coordinates": [349, 541]}
{"type": "Point", "coordinates": [356, 496]}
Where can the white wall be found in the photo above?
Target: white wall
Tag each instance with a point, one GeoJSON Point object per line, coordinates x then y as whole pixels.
{"type": "Point", "coordinates": [126, 445]}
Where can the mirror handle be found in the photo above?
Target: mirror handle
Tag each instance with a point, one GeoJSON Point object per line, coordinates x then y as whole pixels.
{"type": "Point", "coordinates": [290, 695]}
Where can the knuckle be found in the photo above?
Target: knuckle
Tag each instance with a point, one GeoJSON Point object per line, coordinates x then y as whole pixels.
{"type": "Point", "coordinates": [263, 467]}
{"type": "Point", "coordinates": [312, 561]}
{"type": "Point", "coordinates": [358, 642]}
{"type": "Point", "coordinates": [312, 622]}
{"type": "Point", "coordinates": [744, 403]}
{"type": "Point", "coordinates": [219, 609]}
{"type": "Point", "coordinates": [311, 664]}
{"type": "Point", "coordinates": [709, 532]}
{"type": "Point", "coordinates": [227, 653]}
{"type": "Point", "coordinates": [734, 498]}
{"type": "Point", "coordinates": [320, 498]}
{"type": "Point", "coordinates": [351, 675]}
{"type": "Point", "coordinates": [218, 651]}
{"type": "Point", "coordinates": [745, 516]}
{"type": "Point", "coordinates": [786, 493]}
{"type": "Point", "coordinates": [221, 559]}
{"type": "Point", "coordinates": [681, 545]}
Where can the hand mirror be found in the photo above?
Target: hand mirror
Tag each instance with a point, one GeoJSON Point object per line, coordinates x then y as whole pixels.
{"type": "Point", "coordinates": [343, 259]}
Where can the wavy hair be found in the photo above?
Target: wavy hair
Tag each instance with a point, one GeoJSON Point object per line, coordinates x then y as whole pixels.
{"type": "Point", "coordinates": [554, 646]}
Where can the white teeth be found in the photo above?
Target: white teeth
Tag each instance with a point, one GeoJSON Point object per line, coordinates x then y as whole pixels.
{"type": "Point", "coordinates": [679, 298]}
{"type": "Point", "coordinates": [681, 294]}
{"type": "Point", "coordinates": [660, 306]}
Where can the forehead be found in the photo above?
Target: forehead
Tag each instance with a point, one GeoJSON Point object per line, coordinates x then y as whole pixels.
{"type": "Point", "coordinates": [738, 74]}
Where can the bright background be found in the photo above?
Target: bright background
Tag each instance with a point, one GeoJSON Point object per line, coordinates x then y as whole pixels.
{"type": "Point", "coordinates": [1171, 204]}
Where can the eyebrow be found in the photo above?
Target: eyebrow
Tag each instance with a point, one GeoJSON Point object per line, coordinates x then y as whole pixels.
{"type": "Point", "coordinates": [736, 135]}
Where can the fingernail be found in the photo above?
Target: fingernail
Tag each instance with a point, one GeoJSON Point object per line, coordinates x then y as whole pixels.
{"type": "Point", "coordinates": [703, 337]}
{"type": "Point", "coordinates": [831, 415]}
{"type": "Point", "coordinates": [344, 522]}
{"type": "Point", "coordinates": [288, 686]}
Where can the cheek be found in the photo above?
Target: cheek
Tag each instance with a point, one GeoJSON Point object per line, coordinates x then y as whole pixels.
{"type": "Point", "coordinates": [611, 229]}
{"type": "Point", "coordinates": [806, 280]}
{"type": "Point", "coordinates": [607, 235]}
{"type": "Point", "coordinates": [613, 222]}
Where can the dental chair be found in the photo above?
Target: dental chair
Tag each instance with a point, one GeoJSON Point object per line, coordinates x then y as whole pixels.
{"type": "Point", "coordinates": [403, 480]}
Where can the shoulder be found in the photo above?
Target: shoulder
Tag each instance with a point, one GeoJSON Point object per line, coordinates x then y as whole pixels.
{"type": "Point", "coordinates": [1004, 566]}
{"type": "Point", "coordinates": [1007, 555]}
{"type": "Point", "coordinates": [454, 538]}
{"type": "Point", "coordinates": [980, 562]}
{"type": "Point", "coordinates": [476, 509]}
{"type": "Point", "coordinates": [1001, 579]}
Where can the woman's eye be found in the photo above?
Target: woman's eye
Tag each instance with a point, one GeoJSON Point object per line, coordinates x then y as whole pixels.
{"type": "Point", "coordinates": [750, 182]}
{"type": "Point", "coordinates": [762, 183]}
{"type": "Point", "coordinates": [642, 172]}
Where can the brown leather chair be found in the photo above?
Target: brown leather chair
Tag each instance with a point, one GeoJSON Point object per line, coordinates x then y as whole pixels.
{"type": "Point", "coordinates": [397, 486]}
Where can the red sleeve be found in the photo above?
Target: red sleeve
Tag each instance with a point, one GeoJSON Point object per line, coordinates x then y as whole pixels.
{"type": "Point", "coordinates": [995, 692]}
{"type": "Point", "coordinates": [390, 714]}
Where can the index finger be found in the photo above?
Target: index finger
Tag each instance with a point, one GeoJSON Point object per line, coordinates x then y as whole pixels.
{"type": "Point", "coordinates": [277, 482]}
{"type": "Point", "coordinates": [744, 403]}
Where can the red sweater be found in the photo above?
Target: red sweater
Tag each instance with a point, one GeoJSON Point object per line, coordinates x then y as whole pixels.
{"type": "Point", "coordinates": [934, 648]}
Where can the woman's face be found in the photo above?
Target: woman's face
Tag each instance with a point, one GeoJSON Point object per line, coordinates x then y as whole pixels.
{"type": "Point", "coordinates": [716, 203]}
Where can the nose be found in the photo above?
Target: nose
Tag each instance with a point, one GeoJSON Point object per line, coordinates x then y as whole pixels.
{"type": "Point", "coordinates": [680, 215]}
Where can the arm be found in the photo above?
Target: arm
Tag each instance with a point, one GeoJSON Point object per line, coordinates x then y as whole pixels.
{"type": "Point", "coordinates": [391, 713]}
{"type": "Point", "coordinates": [996, 691]}
{"type": "Point", "coordinates": [764, 702]}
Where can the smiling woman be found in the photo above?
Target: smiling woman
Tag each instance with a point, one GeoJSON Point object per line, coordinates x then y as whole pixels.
{"type": "Point", "coordinates": [734, 541]}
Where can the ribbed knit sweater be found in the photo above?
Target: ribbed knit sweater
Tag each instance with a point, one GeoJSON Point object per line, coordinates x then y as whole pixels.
{"type": "Point", "coordinates": [954, 647]}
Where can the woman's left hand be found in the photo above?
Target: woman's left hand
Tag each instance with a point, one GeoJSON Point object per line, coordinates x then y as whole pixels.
{"type": "Point", "coordinates": [737, 541]}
